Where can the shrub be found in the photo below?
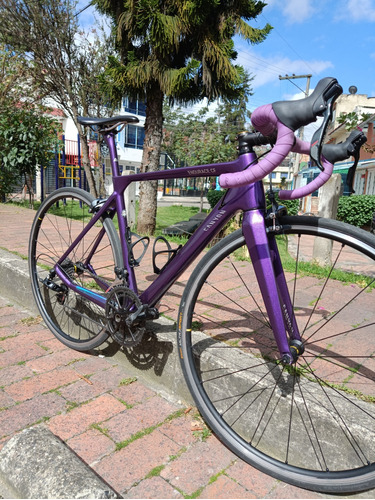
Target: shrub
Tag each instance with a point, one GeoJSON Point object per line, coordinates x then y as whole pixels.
{"type": "Point", "coordinates": [356, 209]}
{"type": "Point", "coordinates": [213, 196]}
{"type": "Point", "coordinates": [292, 206]}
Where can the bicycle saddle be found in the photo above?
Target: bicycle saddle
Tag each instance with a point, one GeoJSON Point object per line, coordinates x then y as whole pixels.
{"type": "Point", "coordinates": [105, 122]}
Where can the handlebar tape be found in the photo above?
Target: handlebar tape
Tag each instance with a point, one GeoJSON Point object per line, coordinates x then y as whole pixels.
{"type": "Point", "coordinates": [264, 120]}
{"type": "Point", "coordinates": [303, 147]}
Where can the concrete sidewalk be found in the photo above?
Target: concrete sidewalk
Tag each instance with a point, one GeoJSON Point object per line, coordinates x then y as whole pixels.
{"type": "Point", "coordinates": [140, 439]}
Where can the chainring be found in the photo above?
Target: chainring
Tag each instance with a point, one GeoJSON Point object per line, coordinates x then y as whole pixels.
{"type": "Point", "coordinates": [121, 303]}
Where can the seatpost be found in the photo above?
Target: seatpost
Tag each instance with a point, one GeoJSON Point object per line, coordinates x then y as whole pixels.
{"type": "Point", "coordinates": [111, 143]}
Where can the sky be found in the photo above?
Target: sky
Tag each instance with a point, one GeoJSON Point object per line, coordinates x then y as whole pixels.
{"type": "Point", "coordinates": [318, 37]}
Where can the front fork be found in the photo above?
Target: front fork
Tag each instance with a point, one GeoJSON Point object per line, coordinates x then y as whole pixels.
{"type": "Point", "coordinates": [268, 268]}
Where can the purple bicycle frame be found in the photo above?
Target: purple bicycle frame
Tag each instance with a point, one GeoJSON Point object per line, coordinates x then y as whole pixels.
{"type": "Point", "coordinates": [262, 247]}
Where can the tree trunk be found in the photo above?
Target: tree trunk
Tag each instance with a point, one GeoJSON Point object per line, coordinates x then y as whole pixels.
{"type": "Point", "coordinates": [150, 162]}
{"type": "Point", "coordinates": [86, 165]}
{"type": "Point", "coordinates": [85, 153]}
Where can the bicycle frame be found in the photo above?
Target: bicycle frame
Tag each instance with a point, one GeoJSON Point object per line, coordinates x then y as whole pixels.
{"type": "Point", "coordinates": [262, 248]}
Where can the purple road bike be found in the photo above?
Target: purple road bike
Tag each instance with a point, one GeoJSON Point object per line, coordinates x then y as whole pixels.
{"type": "Point", "coordinates": [276, 323]}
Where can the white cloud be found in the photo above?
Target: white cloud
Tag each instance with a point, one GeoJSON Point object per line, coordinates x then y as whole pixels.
{"type": "Point", "coordinates": [267, 70]}
{"type": "Point", "coordinates": [357, 10]}
{"type": "Point", "coordinates": [295, 11]}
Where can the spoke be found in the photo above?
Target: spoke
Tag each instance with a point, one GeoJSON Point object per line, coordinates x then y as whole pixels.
{"type": "Point", "coordinates": [247, 392]}
{"type": "Point", "coordinates": [239, 305]}
{"type": "Point", "coordinates": [237, 371]}
{"type": "Point", "coordinates": [321, 293]}
{"type": "Point", "coordinates": [338, 334]}
{"type": "Point", "coordinates": [290, 417]}
{"type": "Point", "coordinates": [247, 288]}
{"type": "Point", "coordinates": [265, 409]}
{"type": "Point", "coordinates": [344, 427]}
{"type": "Point", "coordinates": [236, 332]}
{"type": "Point", "coordinates": [339, 311]}
{"type": "Point", "coordinates": [313, 428]}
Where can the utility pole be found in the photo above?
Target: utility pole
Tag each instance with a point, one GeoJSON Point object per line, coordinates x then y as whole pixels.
{"type": "Point", "coordinates": [301, 130]}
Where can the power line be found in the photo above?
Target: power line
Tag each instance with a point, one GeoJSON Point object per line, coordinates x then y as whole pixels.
{"type": "Point", "coordinates": [82, 10]}
{"type": "Point", "coordinates": [289, 45]}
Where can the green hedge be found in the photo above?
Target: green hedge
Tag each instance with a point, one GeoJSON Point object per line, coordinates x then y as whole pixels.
{"type": "Point", "coordinates": [291, 205]}
{"type": "Point", "coordinates": [214, 196]}
{"type": "Point", "coordinates": [356, 209]}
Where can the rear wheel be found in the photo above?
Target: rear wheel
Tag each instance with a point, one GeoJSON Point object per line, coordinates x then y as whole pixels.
{"type": "Point", "coordinates": [313, 423]}
{"type": "Point", "coordinates": [76, 321]}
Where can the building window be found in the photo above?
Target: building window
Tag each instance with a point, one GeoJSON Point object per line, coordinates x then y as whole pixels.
{"type": "Point", "coordinates": [134, 137]}
{"type": "Point", "coordinates": [134, 106]}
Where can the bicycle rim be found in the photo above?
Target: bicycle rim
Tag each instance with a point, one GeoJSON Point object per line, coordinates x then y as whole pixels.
{"type": "Point", "coordinates": [311, 424]}
{"type": "Point", "coordinates": [76, 321]}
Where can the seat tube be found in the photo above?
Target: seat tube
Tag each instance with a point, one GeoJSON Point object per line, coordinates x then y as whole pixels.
{"type": "Point", "coordinates": [254, 231]}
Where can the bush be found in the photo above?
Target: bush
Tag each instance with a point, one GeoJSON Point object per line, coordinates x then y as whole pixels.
{"type": "Point", "coordinates": [292, 206]}
{"type": "Point", "coordinates": [356, 209]}
{"type": "Point", "coordinates": [213, 196]}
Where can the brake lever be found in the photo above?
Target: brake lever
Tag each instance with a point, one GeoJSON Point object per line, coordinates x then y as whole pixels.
{"type": "Point", "coordinates": [354, 149]}
{"type": "Point", "coordinates": [319, 135]}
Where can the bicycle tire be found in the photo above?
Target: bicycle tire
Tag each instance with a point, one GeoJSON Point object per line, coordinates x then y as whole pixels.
{"type": "Point", "coordinates": [75, 321]}
{"type": "Point", "coordinates": [311, 424]}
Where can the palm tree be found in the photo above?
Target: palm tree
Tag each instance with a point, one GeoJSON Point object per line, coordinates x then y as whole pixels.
{"type": "Point", "coordinates": [180, 49]}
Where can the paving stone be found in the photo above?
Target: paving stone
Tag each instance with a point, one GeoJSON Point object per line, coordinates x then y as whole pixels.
{"type": "Point", "coordinates": [80, 419]}
{"type": "Point", "coordinates": [11, 374]}
{"type": "Point", "coordinates": [20, 355]}
{"type": "Point", "coordinates": [180, 430]}
{"type": "Point", "coordinates": [5, 400]}
{"type": "Point", "coordinates": [80, 391]}
{"type": "Point", "coordinates": [133, 393]}
{"type": "Point", "coordinates": [154, 487]}
{"type": "Point", "coordinates": [91, 446]}
{"type": "Point", "coordinates": [50, 362]}
{"type": "Point", "coordinates": [110, 378]}
{"type": "Point", "coordinates": [203, 460]}
{"type": "Point", "coordinates": [39, 384]}
{"type": "Point", "coordinates": [224, 487]}
{"type": "Point", "coordinates": [251, 479]}
{"type": "Point", "coordinates": [131, 464]}
{"type": "Point", "coordinates": [150, 413]}
{"type": "Point", "coordinates": [91, 365]}
{"type": "Point", "coordinates": [20, 416]}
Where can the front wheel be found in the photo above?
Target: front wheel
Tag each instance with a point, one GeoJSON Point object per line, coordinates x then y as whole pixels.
{"type": "Point", "coordinates": [311, 424]}
{"type": "Point", "coordinates": [74, 320]}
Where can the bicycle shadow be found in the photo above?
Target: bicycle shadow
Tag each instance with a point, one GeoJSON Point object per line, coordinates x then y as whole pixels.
{"type": "Point", "coordinates": [151, 352]}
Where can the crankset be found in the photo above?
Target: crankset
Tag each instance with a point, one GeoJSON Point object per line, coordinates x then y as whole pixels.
{"type": "Point", "coordinates": [125, 316]}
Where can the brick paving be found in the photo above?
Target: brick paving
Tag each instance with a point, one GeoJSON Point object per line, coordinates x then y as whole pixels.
{"type": "Point", "coordinates": [139, 442]}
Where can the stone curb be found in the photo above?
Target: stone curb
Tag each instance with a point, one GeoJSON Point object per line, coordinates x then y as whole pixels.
{"type": "Point", "coordinates": [37, 464]}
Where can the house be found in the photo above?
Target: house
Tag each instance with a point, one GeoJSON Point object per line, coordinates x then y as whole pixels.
{"type": "Point", "coordinates": [364, 182]}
